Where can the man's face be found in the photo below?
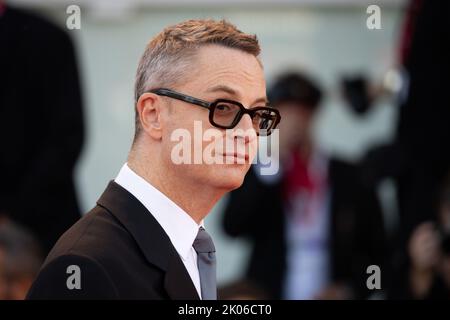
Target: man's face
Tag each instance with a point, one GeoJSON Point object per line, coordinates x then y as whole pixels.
{"type": "Point", "coordinates": [218, 73]}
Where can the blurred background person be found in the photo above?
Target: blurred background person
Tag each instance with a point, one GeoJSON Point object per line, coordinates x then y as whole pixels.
{"type": "Point", "coordinates": [20, 260]}
{"type": "Point", "coordinates": [314, 227]}
{"type": "Point", "coordinates": [418, 158]}
{"type": "Point", "coordinates": [428, 271]}
{"type": "Point", "coordinates": [41, 125]}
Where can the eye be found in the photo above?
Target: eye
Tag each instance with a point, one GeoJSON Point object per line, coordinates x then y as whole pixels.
{"type": "Point", "coordinates": [264, 119]}
{"type": "Point", "coordinates": [266, 123]}
{"type": "Point", "coordinates": [223, 107]}
{"type": "Point", "coordinates": [256, 117]}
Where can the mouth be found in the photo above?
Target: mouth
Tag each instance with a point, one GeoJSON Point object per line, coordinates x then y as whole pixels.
{"type": "Point", "coordinates": [236, 156]}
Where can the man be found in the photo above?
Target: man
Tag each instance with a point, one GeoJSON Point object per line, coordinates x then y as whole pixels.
{"type": "Point", "coordinates": [145, 239]}
{"type": "Point", "coordinates": [314, 227]}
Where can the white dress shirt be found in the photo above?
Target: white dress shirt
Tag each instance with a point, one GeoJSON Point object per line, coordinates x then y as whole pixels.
{"type": "Point", "coordinates": [178, 225]}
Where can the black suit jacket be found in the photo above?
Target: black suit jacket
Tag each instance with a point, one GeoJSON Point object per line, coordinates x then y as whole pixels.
{"type": "Point", "coordinates": [356, 235]}
{"type": "Point", "coordinates": [122, 252]}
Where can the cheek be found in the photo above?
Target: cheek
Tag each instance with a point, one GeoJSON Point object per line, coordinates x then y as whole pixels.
{"type": "Point", "coordinates": [186, 117]}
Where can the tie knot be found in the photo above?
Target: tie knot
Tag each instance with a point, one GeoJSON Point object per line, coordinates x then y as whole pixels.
{"type": "Point", "coordinates": [203, 243]}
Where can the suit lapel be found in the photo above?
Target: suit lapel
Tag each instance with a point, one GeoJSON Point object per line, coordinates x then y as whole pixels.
{"type": "Point", "coordinates": [176, 277]}
{"type": "Point", "coordinates": [151, 239]}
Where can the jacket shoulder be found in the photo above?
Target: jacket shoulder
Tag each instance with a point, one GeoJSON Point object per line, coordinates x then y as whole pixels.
{"type": "Point", "coordinates": [72, 277]}
{"type": "Point", "coordinates": [98, 235]}
{"type": "Point", "coordinates": [79, 265]}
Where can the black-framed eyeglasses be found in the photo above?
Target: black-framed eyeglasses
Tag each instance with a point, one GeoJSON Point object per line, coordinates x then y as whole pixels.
{"type": "Point", "coordinates": [226, 114]}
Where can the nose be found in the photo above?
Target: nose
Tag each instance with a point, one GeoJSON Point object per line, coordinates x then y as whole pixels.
{"type": "Point", "coordinates": [244, 130]}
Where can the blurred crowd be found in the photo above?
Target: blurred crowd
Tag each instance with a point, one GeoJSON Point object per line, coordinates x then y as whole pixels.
{"type": "Point", "coordinates": [318, 225]}
{"type": "Point", "coordinates": [314, 227]}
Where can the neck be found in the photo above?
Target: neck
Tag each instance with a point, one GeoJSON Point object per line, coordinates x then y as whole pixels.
{"type": "Point", "coordinates": [177, 189]}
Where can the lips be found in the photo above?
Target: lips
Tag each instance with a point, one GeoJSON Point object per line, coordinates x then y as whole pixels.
{"type": "Point", "coordinates": [237, 155]}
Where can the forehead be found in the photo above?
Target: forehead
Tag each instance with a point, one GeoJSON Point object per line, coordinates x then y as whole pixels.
{"type": "Point", "coordinates": [217, 66]}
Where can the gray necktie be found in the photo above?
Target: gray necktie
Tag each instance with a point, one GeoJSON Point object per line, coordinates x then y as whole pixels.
{"type": "Point", "coordinates": [206, 261]}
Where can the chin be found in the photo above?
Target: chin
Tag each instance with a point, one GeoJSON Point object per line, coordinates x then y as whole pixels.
{"type": "Point", "coordinates": [230, 177]}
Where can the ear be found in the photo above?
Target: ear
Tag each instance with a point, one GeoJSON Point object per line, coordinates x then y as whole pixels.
{"type": "Point", "coordinates": [149, 110]}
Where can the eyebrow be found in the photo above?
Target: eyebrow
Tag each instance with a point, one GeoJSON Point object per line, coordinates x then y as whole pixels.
{"type": "Point", "coordinates": [231, 91]}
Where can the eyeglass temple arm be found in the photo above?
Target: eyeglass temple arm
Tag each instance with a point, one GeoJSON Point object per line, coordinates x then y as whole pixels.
{"type": "Point", "coordinates": [182, 97]}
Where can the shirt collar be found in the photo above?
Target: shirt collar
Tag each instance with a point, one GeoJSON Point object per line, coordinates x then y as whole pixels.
{"type": "Point", "coordinates": [178, 225]}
